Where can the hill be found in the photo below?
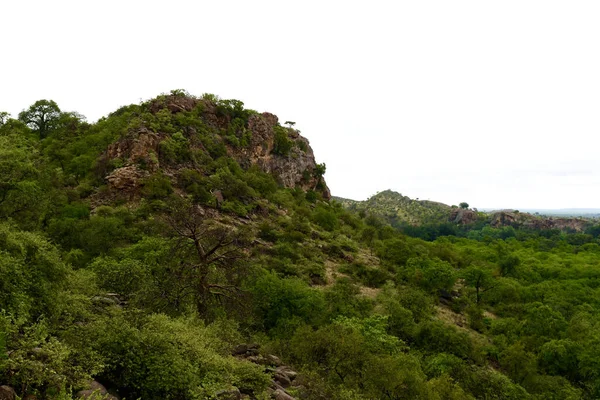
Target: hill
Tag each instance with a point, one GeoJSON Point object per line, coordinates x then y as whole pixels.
{"type": "Point", "coordinates": [398, 209]}
{"type": "Point", "coordinates": [187, 248]}
{"type": "Point", "coordinates": [413, 215]}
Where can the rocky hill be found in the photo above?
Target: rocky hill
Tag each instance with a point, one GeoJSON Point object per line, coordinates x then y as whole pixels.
{"type": "Point", "coordinates": [208, 127]}
{"type": "Point", "coordinates": [186, 248]}
{"type": "Point", "coordinates": [518, 219]}
{"type": "Point", "coordinates": [399, 209]}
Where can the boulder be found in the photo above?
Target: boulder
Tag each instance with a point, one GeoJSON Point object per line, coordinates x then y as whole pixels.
{"type": "Point", "coordinates": [246, 349]}
{"type": "Point", "coordinates": [96, 391]}
{"type": "Point", "coordinates": [290, 374]}
{"type": "Point", "coordinates": [280, 394]}
{"type": "Point", "coordinates": [231, 394]}
{"type": "Point", "coordinates": [7, 393]}
{"type": "Point", "coordinates": [273, 360]}
{"type": "Point", "coordinates": [282, 379]}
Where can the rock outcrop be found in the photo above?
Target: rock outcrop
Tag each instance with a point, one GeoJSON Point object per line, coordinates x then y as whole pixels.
{"type": "Point", "coordinates": [283, 377]}
{"type": "Point", "coordinates": [462, 216]}
{"type": "Point", "coordinates": [137, 155]}
{"type": "Point", "coordinates": [524, 220]}
{"type": "Point", "coordinates": [296, 169]}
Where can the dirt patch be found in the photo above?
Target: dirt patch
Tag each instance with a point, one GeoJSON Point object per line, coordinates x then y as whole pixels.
{"type": "Point", "coordinates": [369, 292]}
{"type": "Point", "coordinates": [447, 315]}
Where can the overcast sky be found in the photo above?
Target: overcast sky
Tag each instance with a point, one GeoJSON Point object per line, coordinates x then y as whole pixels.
{"type": "Point", "coordinates": [496, 103]}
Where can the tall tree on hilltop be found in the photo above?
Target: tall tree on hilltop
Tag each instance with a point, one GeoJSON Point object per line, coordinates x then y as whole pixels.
{"type": "Point", "coordinates": [42, 117]}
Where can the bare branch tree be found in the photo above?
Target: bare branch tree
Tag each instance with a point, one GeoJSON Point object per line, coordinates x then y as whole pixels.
{"type": "Point", "coordinates": [210, 255]}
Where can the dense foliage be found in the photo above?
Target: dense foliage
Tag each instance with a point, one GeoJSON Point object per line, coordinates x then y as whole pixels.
{"type": "Point", "coordinates": [149, 293]}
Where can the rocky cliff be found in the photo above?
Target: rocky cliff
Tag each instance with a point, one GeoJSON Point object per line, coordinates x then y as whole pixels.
{"type": "Point", "coordinates": [525, 220]}
{"type": "Point", "coordinates": [251, 138]}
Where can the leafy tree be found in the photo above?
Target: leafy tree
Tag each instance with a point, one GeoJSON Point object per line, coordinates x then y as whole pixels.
{"type": "Point", "coordinates": [32, 273]}
{"type": "Point", "coordinates": [508, 265]}
{"type": "Point", "coordinates": [42, 116]}
{"type": "Point", "coordinates": [464, 205]}
{"type": "Point", "coordinates": [518, 363]}
{"type": "Point", "coordinates": [20, 189]}
{"type": "Point", "coordinates": [4, 117]}
{"type": "Point", "coordinates": [479, 279]}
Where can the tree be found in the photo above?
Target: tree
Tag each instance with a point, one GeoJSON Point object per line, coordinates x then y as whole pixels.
{"type": "Point", "coordinates": [20, 191]}
{"type": "Point", "coordinates": [368, 235]}
{"type": "Point", "coordinates": [4, 116]}
{"type": "Point", "coordinates": [508, 264]}
{"type": "Point", "coordinates": [208, 255]}
{"type": "Point", "coordinates": [42, 117]}
{"type": "Point", "coordinates": [464, 205]}
{"type": "Point", "coordinates": [518, 363]}
{"type": "Point", "coordinates": [480, 279]}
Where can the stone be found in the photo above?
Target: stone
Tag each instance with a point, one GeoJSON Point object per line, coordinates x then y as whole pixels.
{"type": "Point", "coordinates": [231, 394]}
{"type": "Point", "coordinates": [281, 395]}
{"type": "Point", "coordinates": [95, 391]}
{"type": "Point", "coordinates": [240, 349]}
{"type": "Point", "coordinates": [126, 179]}
{"type": "Point", "coordinates": [273, 360]}
{"type": "Point", "coordinates": [7, 393]}
{"type": "Point", "coordinates": [287, 372]}
{"type": "Point", "coordinates": [282, 379]}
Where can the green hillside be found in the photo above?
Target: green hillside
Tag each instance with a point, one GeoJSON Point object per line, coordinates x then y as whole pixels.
{"type": "Point", "coordinates": [398, 209]}
{"type": "Point", "coordinates": [187, 248]}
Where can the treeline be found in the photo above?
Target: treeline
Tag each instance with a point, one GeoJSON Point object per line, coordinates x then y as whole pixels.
{"type": "Point", "coordinates": [150, 293]}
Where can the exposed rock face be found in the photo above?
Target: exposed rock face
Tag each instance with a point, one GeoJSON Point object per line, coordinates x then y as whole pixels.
{"type": "Point", "coordinates": [138, 152]}
{"type": "Point", "coordinates": [126, 179]}
{"type": "Point", "coordinates": [298, 169]}
{"type": "Point", "coordinates": [139, 147]}
{"type": "Point", "coordinates": [463, 217]}
{"type": "Point", "coordinates": [525, 220]}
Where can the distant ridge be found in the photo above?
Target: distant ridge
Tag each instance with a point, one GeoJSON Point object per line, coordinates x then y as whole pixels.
{"type": "Point", "coordinates": [563, 212]}
{"type": "Point", "coordinates": [399, 209]}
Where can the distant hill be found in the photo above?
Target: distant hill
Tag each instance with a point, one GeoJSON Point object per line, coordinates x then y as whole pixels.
{"type": "Point", "coordinates": [399, 209]}
{"type": "Point", "coordinates": [567, 212]}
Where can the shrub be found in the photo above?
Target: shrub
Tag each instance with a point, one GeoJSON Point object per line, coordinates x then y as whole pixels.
{"type": "Point", "coordinates": [282, 144]}
{"type": "Point", "coordinates": [157, 357]}
{"type": "Point", "coordinates": [156, 186]}
{"type": "Point", "coordinates": [278, 300]}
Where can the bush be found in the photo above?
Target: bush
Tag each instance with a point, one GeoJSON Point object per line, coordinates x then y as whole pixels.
{"type": "Point", "coordinates": [156, 187]}
{"type": "Point", "coordinates": [157, 357]}
{"type": "Point", "coordinates": [325, 218]}
{"type": "Point", "coordinates": [279, 300]}
{"type": "Point", "coordinates": [282, 144]}
{"type": "Point", "coordinates": [438, 337]}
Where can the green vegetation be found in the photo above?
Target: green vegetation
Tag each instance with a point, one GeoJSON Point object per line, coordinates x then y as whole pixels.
{"type": "Point", "coordinates": [400, 210]}
{"type": "Point", "coordinates": [140, 250]}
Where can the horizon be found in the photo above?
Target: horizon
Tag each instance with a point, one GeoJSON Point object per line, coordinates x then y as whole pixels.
{"type": "Point", "coordinates": [437, 99]}
{"type": "Point", "coordinates": [588, 210]}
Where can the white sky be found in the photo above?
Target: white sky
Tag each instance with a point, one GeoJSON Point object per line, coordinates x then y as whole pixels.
{"type": "Point", "coordinates": [496, 103]}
